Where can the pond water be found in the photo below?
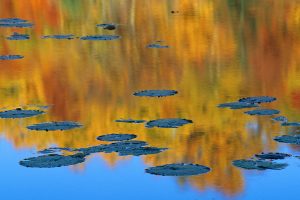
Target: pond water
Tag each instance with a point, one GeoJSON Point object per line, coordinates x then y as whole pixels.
{"type": "Point", "coordinates": [209, 51]}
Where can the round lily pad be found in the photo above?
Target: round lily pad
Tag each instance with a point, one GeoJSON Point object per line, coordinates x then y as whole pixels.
{"type": "Point", "coordinates": [263, 112]}
{"type": "Point", "coordinates": [155, 93]}
{"type": "Point", "coordinates": [116, 137]}
{"type": "Point", "coordinates": [178, 169]}
{"type": "Point", "coordinates": [20, 113]}
{"type": "Point", "coordinates": [290, 124]}
{"type": "Point", "coordinates": [53, 160]}
{"type": "Point", "coordinates": [237, 105]}
{"type": "Point", "coordinates": [291, 139]}
{"type": "Point", "coordinates": [258, 164]}
{"type": "Point", "coordinates": [134, 121]}
{"type": "Point", "coordinates": [168, 123]}
{"type": "Point", "coordinates": [100, 37]}
{"type": "Point", "coordinates": [17, 36]}
{"type": "Point", "coordinates": [273, 156]}
{"type": "Point", "coordinates": [258, 99]}
{"type": "Point", "coordinates": [107, 26]}
{"type": "Point", "coordinates": [15, 22]}
{"type": "Point", "coordinates": [60, 37]}
{"type": "Point", "coordinates": [157, 46]}
{"type": "Point", "coordinates": [11, 57]}
{"type": "Point", "coordinates": [141, 151]}
{"type": "Point", "coordinates": [53, 126]}
{"type": "Point", "coordinates": [280, 119]}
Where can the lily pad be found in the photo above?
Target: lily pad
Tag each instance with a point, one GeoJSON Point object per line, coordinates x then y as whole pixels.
{"type": "Point", "coordinates": [107, 26]}
{"type": "Point", "coordinates": [11, 57]}
{"type": "Point", "coordinates": [155, 93]}
{"type": "Point", "coordinates": [141, 151]}
{"type": "Point", "coordinates": [53, 160]}
{"type": "Point", "coordinates": [20, 113]}
{"type": "Point", "coordinates": [100, 37]}
{"type": "Point", "coordinates": [14, 22]}
{"type": "Point", "coordinates": [60, 37]}
{"type": "Point", "coordinates": [291, 139]}
{"type": "Point", "coordinates": [237, 105]}
{"type": "Point", "coordinates": [290, 124]}
{"type": "Point", "coordinates": [258, 99]}
{"type": "Point", "coordinates": [55, 150]}
{"type": "Point", "coordinates": [54, 126]}
{"type": "Point", "coordinates": [134, 121]}
{"type": "Point", "coordinates": [263, 112]}
{"type": "Point", "coordinates": [116, 137]}
{"type": "Point", "coordinates": [178, 169]}
{"type": "Point", "coordinates": [273, 156]}
{"type": "Point", "coordinates": [168, 123]}
{"type": "Point", "coordinates": [157, 46]}
{"type": "Point", "coordinates": [280, 119]}
{"type": "Point", "coordinates": [17, 36]}
{"type": "Point", "coordinates": [259, 164]}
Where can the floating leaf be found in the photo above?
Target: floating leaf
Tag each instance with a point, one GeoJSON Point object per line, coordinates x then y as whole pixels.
{"type": "Point", "coordinates": [155, 93]}
{"type": "Point", "coordinates": [291, 139]}
{"type": "Point", "coordinates": [107, 26]}
{"type": "Point", "coordinates": [280, 119]}
{"type": "Point", "coordinates": [17, 36]}
{"type": "Point", "coordinates": [100, 37]}
{"type": "Point", "coordinates": [263, 112]}
{"type": "Point", "coordinates": [180, 169]}
{"type": "Point", "coordinates": [60, 37]}
{"type": "Point", "coordinates": [11, 57]}
{"type": "Point", "coordinates": [290, 124]}
{"type": "Point", "coordinates": [258, 99]}
{"type": "Point", "coordinates": [237, 105]}
{"type": "Point", "coordinates": [19, 113]}
{"type": "Point", "coordinates": [168, 123]}
{"type": "Point", "coordinates": [141, 151]}
{"type": "Point", "coordinates": [53, 126]}
{"type": "Point", "coordinates": [157, 46]}
{"type": "Point", "coordinates": [272, 155]}
{"type": "Point", "coordinates": [116, 137]}
{"type": "Point", "coordinates": [53, 160]}
{"type": "Point", "coordinates": [130, 121]}
{"type": "Point", "coordinates": [258, 164]}
{"type": "Point", "coordinates": [14, 22]}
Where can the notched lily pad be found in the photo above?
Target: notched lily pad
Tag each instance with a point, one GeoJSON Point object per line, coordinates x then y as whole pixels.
{"type": "Point", "coordinates": [259, 164]}
{"type": "Point", "coordinates": [20, 113]}
{"type": "Point", "coordinates": [263, 112]}
{"type": "Point", "coordinates": [134, 121]}
{"type": "Point", "coordinates": [53, 160]}
{"type": "Point", "coordinates": [237, 105]}
{"type": "Point", "coordinates": [60, 37]}
{"type": "Point", "coordinates": [54, 126]}
{"type": "Point", "coordinates": [107, 26]}
{"type": "Point", "coordinates": [100, 37]}
{"type": "Point", "coordinates": [280, 119]}
{"type": "Point", "coordinates": [155, 93]}
{"type": "Point", "coordinates": [11, 57]}
{"type": "Point", "coordinates": [17, 36]}
{"type": "Point", "coordinates": [168, 123]}
{"type": "Point", "coordinates": [290, 124]}
{"type": "Point", "coordinates": [291, 139]}
{"type": "Point", "coordinates": [178, 169]}
{"type": "Point", "coordinates": [14, 22]}
{"type": "Point", "coordinates": [116, 137]}
{"type": "Point", "coordinates": [273, 156]}
{"type": "Point", "coordinates": [141, 151]}
{"type": "Point", "coordinates": [258, 99]}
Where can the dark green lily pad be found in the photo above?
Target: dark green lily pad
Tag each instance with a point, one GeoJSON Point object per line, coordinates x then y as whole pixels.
{"type": "Point", "coordinates": [155, 93]}
{"type": "Point", "coordinates": [290, 124]}
{"type": "Point", "coordinates": [263, 112]}
{"type": "Point", "coordinates": [14, 22]}
{"type": "Point", "coordinates": [11, 57]}
{"type": "Point", "coordinates": [100, 37]}
{"type": "Point", "coordinates": [168, 123]}
{"type": "Point", "coordinates": [17, 36]}
{"type": "Point", "coordinates": [291, 139]}
{"type": "Point", "coordinates": [53, 160]}
{"type": "Point", "coordinates": [259, 164]}
{"type": "Point", "coordinates": [258, 99]}
{"type": "Point", "coordinates": [116, 137]}
{"type": "Point", "coordinates": [19, 113]}
{"type": "Point", "coordinates": [178, 169]}
{"type": "Point", "coordinates": [134, 121]}
{"type": "Point", "coordinates": [54, 126]}
{"type": "Point", "coordinates": [141, 151]}
{"type": "Point", "coordinates": [60, 37]}
{"type": "Point", "coordinates": [273, 156]}
{"type": "Point", "coordinates": [237, 105]}
{"type": "Point", "coordinates": [157, 46]}
{"type": "Point", "coordinates": [107, 26]}
{"type": "Point", "coordinates": [280, 119]}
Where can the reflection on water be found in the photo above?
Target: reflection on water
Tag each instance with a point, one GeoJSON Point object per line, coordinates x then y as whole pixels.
{"type": "Point", "coordinates": [219, 51]}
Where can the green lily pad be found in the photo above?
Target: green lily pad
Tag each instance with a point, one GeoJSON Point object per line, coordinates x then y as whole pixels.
{"type": "Point", "coordinates": [60, 37]}
{"type": "Point", "coordinates": [116, 137]}
{"type": "Point", "coordinates": [168, 123]}
{"type": "Point", "coordinates": [291, 139]}
{"type": "Point", "coordinates": [290, 124]}
{"type": "Point", "coordinates": [259, 164]}
{"type": "Point", "coordinates": [141, 151]}
{"type": "Point", "coordinates": [237, 105]}
{"type": "Point", "coordinates": [258, 99]}
{"type": "Point", "coordinates": [17, 36]}
{"type": "Point", "coordinates": [134, 121]}
{"type": "Point", "coordinates": [11, 57]}
{"type": "Point", "coordinates": [107, 26]}
{"type": "Point", "coordinates": [178, 169]}
{"type": "Point", "coordinates": [20, 113]}
{"type": "Point", "coordinates": [263, 112]}
{"type": "Point", "coordinates": [273, 156]}
{"type": "Point", "coordinates": [54, 126]}
{"type": "Point", "coordinates": [14, 22]}
{"type": "Point", "coordinates": [100, 37]}
{"type": "Point", "coordinates": [280, 119]}
{"type": "Point", "coordinates": [155, 93]}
